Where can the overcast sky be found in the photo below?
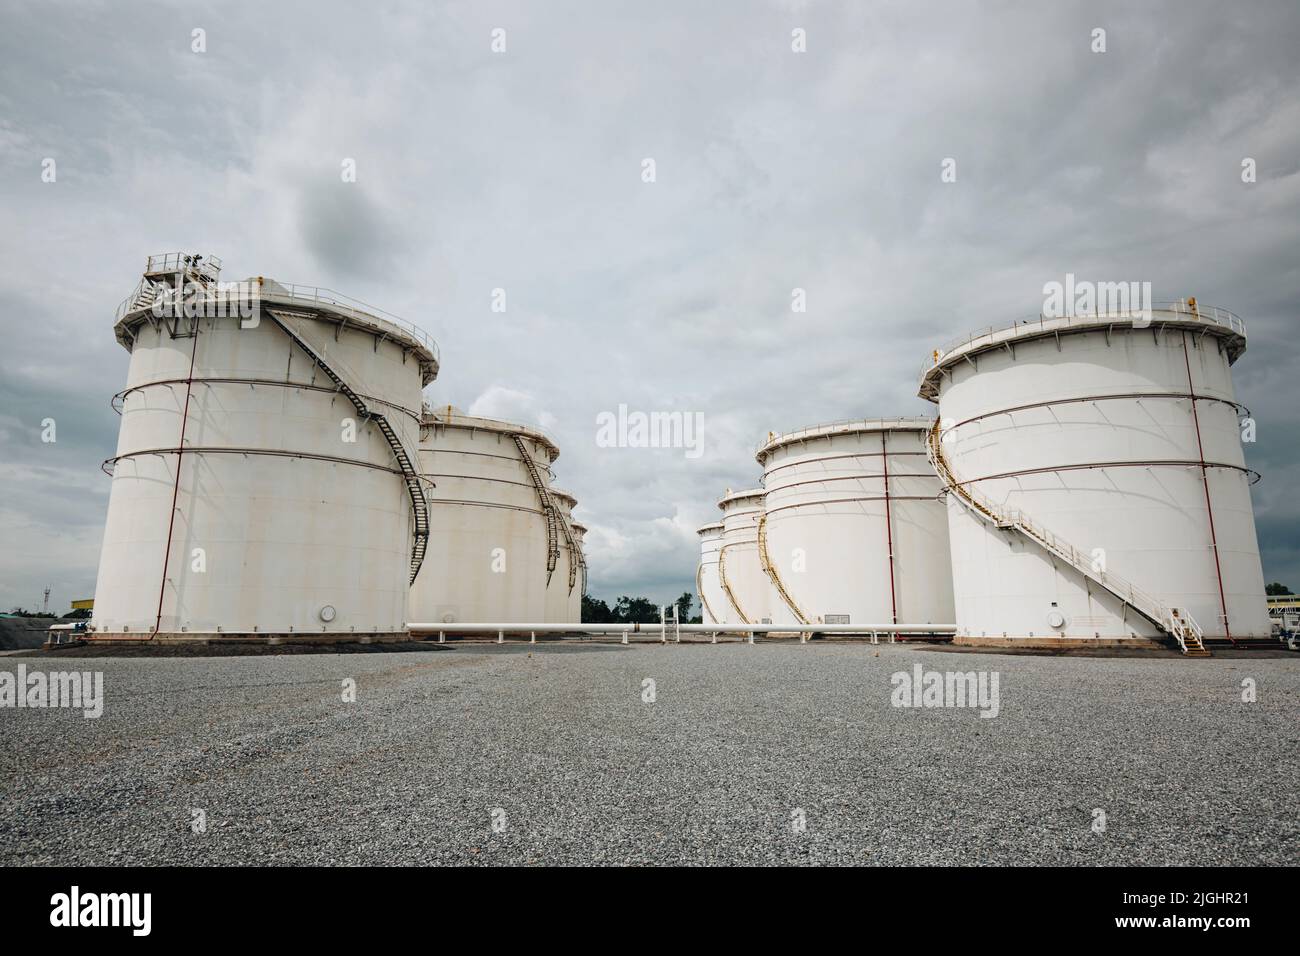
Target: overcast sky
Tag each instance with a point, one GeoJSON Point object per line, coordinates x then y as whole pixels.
{"type": "Point", "coordinates": [523, 170]}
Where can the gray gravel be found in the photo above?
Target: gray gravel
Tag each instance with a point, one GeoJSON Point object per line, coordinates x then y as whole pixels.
{"type": "Point", "coordinates": [557, 740]}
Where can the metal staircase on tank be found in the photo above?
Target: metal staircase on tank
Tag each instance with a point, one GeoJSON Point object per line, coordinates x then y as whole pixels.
{"type": "Point", "coordinates": [578, 561]}
{"type": "Point", "coordinates": [171, 275]}
{"type": "Point", "coordinates": [411, 478]}
{"type": "Point", "coordinates": [770, 569]}
{"type": "Point", "coordinates": [726, 585]}
{"type": "Point", "coordinates": [1174, 621]}
{"type": "Point", "coordinates": [549, 512]}
{"type": "Point", "coordinates": [704, 601]}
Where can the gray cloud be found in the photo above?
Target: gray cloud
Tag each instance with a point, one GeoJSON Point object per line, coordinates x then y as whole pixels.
{"type": "Point", "coordinates": [522, 171]}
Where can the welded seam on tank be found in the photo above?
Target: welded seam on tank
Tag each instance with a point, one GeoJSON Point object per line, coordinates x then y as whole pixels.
{"type": "Point", "coordinates": [277, 383]}
{"type": "Point", "coordinates": [826, 481]}
{"type": "Point", "coordinates": [484, 504]}
{"type": "Point", "coordinates": [500, 481]}
{"type": "Point", "coordinates": [217, 450]}
{"type": "Point", "coordinates": [853, 500]}
{"type": "Point", "coordinates": [813, 460]}
{"type": "Point", "coordinates": [1240, 408]}
{"type": "Point", "coordinates": [1164, 462]}
{"type": "Point", "coordinates": [1205, 481]}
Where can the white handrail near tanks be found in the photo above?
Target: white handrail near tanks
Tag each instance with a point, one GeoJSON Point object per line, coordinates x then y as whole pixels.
{"type": "Point", "coordinates": [550, 627]}
{"type": "Point", "coordinates": [1177, 622]}
{"type": "Point", "coordinates": [1180, 311]}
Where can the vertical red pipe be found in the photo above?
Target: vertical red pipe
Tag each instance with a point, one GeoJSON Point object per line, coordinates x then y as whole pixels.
{"type": "Point", "coordinates": [176, 487]}
{"type": "Point", "coordinates": [1205, 482]}
{"type": "Point", "coordinates": [889, 531]}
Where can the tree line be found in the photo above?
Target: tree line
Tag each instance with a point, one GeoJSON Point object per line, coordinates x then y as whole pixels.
{"type": "Point", "coordinates": [634, 610]}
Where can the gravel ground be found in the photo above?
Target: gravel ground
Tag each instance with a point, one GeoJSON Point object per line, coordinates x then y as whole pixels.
{"type": "Point", "coordinates": [555, 744]}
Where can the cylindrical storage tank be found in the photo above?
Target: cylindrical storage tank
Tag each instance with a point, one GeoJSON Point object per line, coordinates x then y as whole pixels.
{"type": "Point", "coordinates": [564, 594]}
{"type": "Point", "coordinates": [712, 599]}
{"type": "Point", "coordinates": [575, 606]}
{"type": "Point", "coordinates": [260, 486]}
{"type": "Point", "coordinates": [854, 530]}
{"type": "Point", "coordinates": [1097, 457]}
{"type": "Point", "coordinates": [741, 577]}
{"type": "Point", "coordinates": [489, 539]}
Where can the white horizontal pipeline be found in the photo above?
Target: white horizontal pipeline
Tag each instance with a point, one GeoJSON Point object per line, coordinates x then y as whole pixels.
{"type": "Point", "coordinates": [656, 628]}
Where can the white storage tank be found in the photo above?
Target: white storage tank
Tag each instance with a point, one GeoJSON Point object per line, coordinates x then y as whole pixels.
{"type": "Point", "coordinates": [564, 594]}
{"type": "Point", "coordinates": [264, 482]}
{"type": "Point", "coordinates": [580, 536]}
{"type": "Point", "coordinates": [740, 575]}
{"type": "Point", "coordinates": [854, 530]}
{"type": "Point", "coordinates": [707, 585]}
{"type": "Point", "coordinates": [1099, 485]}
{"type": "Point", "coordinates": [491, 538]}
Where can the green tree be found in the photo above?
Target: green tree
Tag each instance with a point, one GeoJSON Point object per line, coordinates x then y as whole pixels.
{"type": "Point", "coordinates": [595, 611]}
{"type": "Point", "coordinates": [638, 610]}
{"type": "Point", "coordinates": [684, 607]}
{"type": "Point", "coordinates": [1276, 590]}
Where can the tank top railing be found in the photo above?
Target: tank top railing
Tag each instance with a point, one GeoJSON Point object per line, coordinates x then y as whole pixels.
{"type": "Point", "coordinates": [1183, 310]}
{"type": "Point", "coordinates": [1176, 622]}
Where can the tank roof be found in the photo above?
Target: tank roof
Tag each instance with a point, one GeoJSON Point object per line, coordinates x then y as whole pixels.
{"type": "Point", "coordinates": [564, 496]}
{"type": "Point", "coordinates": [1186, 314]}
{"type": "Point", "coordinates": [713, 526]}
{"type": "Point", "coordinates": [449, 416]}
{"type": "Point", "coordinates": [733, 496]}
{"type": "Point", "coordinates": [854, 426]}
{"type": "Point", "coordinates": [223, 298]}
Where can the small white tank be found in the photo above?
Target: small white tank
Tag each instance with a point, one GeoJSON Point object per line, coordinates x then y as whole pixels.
{"type": "Point", "coordinates": [740, 575]}
{"type": "Point", "coordinates": [580, 536]}
{"type": "Point", "coordinates": [708, 587]}
{"type": "Point", "coordinates": [564, 595]}
{"type": "Point", "coordinates": [263, 485]}
{"type": "Point", "coordinates": [489, 541]}
{"type": "Point", "coordinates": [1099, 485]}
{"type": "Point", "coordinates": [854, 530]}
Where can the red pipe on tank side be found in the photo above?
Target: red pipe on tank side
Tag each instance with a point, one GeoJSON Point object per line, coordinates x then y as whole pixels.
{"type": "Point", "coordinates": [180, 451]}
{"type": "Point", "coordinates": [889, 532]}
{"type": "Point", "coordinates": [1205, 481]}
